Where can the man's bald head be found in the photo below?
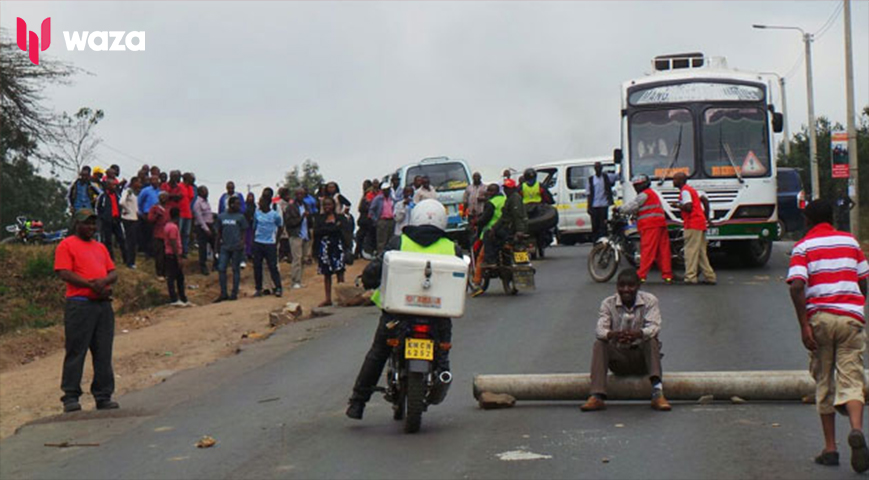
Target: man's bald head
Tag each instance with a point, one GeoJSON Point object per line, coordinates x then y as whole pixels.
{"type": "Point", "coordinates": [680, 179]}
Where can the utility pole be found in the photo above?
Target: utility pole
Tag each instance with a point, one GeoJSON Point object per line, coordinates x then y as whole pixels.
{"type": "Point", "coordinates": [813, 135]}
{"type": "Point", "coordinates": [853, 182]}
{"type": "Point", "coordinates": [784, 113]}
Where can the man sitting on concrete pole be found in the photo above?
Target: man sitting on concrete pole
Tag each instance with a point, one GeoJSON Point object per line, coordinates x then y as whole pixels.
{"type": "Point", "coordinates": [627, 341]}
{"type": "Point", "coordinates": [828, 275]}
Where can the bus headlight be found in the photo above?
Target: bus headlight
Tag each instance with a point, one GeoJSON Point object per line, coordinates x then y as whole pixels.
{"type": "Point", "coordinates": [754, 211]}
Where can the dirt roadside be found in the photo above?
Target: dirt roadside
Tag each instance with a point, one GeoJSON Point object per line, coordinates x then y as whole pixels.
{"type": "Point", "coordinates": [149, 346]}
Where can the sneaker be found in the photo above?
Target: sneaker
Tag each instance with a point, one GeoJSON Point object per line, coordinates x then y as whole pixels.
{"type": "Point", "coordinates": [204, 271]}
{"type": "Point", "coordinates": [107, 405]}
{"type": "Point", "coordinates": [161, 279]}
{"type": "Point", "coordinates": [132, 267]}
{"type": "Point", "coordinates": [297, 286]}
{"type": "Point", "coordinates": [355, 410]}
{"type": "Point", "coordinates": [668, 281]}
{"type": "Point", "coordinates": [828, 459]}
{"type": "Point", "coordinates": [258, 293]}
{"type": "Point", "coordinates": [243, 264]}
{"type": "Point", "coordinates": [233, 297]}
{"type": "Point", "coordinates": [71, 406]}
{"type": "Point", "coordinates": [220, 299]}
{"type": "Point", "coordinates": [279, 292]}
{"type": "Point", "coordinates": [859, 451]}
{"type": "Point", "coordinates": [267, 292]}
{"type": "Point", "coordinates": [177, 303]}
{"type": "Point", "coordinates": [186, 303]}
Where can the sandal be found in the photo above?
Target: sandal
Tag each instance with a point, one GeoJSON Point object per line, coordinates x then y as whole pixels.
{"type": "Point", "coordinates": [829, 459]}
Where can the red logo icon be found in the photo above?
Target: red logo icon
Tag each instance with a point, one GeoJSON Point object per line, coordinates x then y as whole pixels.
{"type": "Point", "coordinates": [35, 47]}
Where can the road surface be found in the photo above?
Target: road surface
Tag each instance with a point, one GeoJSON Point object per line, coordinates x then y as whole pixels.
{"type": "Point", "coordinates": [277, 409]}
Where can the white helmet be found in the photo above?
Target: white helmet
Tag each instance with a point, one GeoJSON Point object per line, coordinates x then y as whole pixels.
{"type": "Point", "coordinates": [429, 212]}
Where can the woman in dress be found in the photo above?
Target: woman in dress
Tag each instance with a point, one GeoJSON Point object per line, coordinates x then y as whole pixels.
{"type": "Point", "coordinates": [329, 246]}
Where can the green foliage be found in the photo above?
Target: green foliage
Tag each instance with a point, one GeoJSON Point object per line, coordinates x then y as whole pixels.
{"type": "Point", "coordinates": [37, 267]}
{"type": "Point", "coordinates": [307, 176]}
{"type": "Point", "coordinates": [829, 187]}
{"type": "Point", "coordinates": [27, 193]}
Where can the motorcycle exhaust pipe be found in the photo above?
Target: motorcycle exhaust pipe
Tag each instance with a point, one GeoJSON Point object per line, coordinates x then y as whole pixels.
{"type": "Point", "coordinates": [441, 386]}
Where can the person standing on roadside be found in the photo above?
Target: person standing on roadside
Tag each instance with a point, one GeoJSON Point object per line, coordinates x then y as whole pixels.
{"type": "Point", "coordinates": [694, 221]}
{"type": "Point", "coordinates": [296, 219]}
{"type": "Point", "coordinates": [383, 216]}
{"type": "Point", "coordinates": [403, 209]}
{"type": "Point", "coordinates": [828, 283]}
{"type": "Point", "coordinates": [231, 226]}
{"type": "Point", "coordinates": [329, 246]}
{"type": "Point", "coordinates": [474, 200]}
{"type": "Point", "coordinates": [89, 321]}
{"type": "Point", "coordinates": [267, 223]}
{"type": "Point", "coordinates": [82, 193]}
{"type": "Point", "coordinates": [130, 219]}
{"type": "Point", "coordinates": [600, 198]}
{"type": "Point", "coordinates": [204, 218]}
{"type": "Point", "coordinates": [158, 216]}
{"type": "Point", "coordinates": [109, 211]}
{"type": "Point", "coordinates": [148, 197]}
{"type": "Point", "coordinates": [188, 192]}
{"type": "Point", "coordinates": [174, 260]}
{"type": "Point", "coordinates": [222, 203]}
{"type": "Point", "coordinates": [425, 191]}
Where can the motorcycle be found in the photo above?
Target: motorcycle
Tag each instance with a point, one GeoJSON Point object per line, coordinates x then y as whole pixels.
{"type": "Point", "coordinates": [542, 223]}
{"type": "Point", "coordinates": [413, 381]}
{"type": "Point", "coordinates": [623, 241]}
{"type": "Point", "coordinates": [31, 232]}
{"type": "Point", "coordinates": [514, 269]}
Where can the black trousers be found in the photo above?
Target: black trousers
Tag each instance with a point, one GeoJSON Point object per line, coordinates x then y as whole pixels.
{"type": "Point", "coordinates": [493, 242]}
{"type": "Point", "coordinates": [131, 232]}
{"type": "Point", "coordinates": [598, 222]}
{"type": "Point", "coordinates": [204, 240]}
{"type": "Point", "coordinates": [269, 253]}
{"type": "Point", "coordinates": [113, 228]}
{"type": "Point", "coordinates": [379, 353]}
{"type": "Point", "coordinates": [88, 325]}
{"type": "Point", "coordinates": [175, 277]}
{"type": "Point", "coordinates": [146, 235]}
{"type": "Point", "coordinates": [158, 249]}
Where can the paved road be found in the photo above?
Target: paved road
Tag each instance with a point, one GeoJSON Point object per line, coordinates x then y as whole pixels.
{"type": "Point", "coordinates": [743, 323]}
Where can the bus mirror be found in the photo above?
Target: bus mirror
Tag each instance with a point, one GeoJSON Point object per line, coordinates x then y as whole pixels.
{"type": "Point", "coordinates": [617, 156]}
{"type": "Point", "coordinates": [778, 122]}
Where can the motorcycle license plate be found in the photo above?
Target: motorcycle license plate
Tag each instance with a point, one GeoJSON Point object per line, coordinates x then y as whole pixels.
{"type": "Point", "coordinates": [418, 349]}
{"type": "Point", "coordinates": [520, 257]}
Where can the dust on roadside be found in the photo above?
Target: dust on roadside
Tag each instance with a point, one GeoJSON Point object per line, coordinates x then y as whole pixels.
{"type": "Point", "coordinates": [149, 344]}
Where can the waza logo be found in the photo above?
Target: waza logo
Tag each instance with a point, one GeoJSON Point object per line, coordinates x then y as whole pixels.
{"type": "Point", "coordinates": [35, 47]}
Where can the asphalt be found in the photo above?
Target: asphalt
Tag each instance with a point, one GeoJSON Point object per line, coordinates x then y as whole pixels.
{"type": "Point", "coordinates": [277, 408]}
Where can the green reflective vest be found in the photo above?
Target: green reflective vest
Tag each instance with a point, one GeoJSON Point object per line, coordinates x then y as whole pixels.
{"type": "Point", "coordinates": [444, 246]}
{"type": "Point", "coordinates": [531, 194]}
{"type": "Point", "coordinates": [498, 202]}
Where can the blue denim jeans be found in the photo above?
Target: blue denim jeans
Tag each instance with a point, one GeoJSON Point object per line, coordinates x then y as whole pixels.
{"type": "Point", "coordinates": [223, 262]}
{"type": "Point", "coordinates": [185, 225]}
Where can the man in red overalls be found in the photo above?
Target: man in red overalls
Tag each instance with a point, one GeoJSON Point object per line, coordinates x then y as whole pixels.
{"type": "Point", "coordinates": [652, 224]}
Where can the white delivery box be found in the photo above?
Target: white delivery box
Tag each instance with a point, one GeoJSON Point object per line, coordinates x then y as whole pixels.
{"type": "Point", "coordinates": [423, 284]}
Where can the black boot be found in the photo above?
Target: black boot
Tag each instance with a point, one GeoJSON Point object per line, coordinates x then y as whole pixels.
{"type": "Point", "coordinates": [355, 409]}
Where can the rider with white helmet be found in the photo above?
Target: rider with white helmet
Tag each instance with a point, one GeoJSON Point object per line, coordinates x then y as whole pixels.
{"type": "Point", "coordinates": [425, 234]}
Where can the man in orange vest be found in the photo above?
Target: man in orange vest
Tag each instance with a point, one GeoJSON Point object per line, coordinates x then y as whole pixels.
{"type": "Point", "coordinates": [652, 224]}
{"type": "Point", "coordinates": [694, 224]}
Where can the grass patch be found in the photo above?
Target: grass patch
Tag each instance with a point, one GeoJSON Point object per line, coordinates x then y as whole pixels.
{"type": "Point", "coordinates": [38, 267]}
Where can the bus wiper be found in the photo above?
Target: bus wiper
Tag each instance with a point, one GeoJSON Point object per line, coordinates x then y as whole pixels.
{"type": "Point", "coordinates": [675, 157]}
{"type": "Point", "coordinates": [732, 163]}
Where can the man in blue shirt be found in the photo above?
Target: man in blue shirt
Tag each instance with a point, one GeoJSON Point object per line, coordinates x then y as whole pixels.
{"type": "Point", "coordinates": [222, 204]}
{"type": "Point", "coordinates": [148, 197]}
{"type": "Point", "coordinates": [81, 193]}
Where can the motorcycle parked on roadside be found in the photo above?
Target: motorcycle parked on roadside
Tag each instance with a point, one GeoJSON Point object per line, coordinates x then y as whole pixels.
{"type": "Point", "coordinates": [31, 232]}
{"type": "Point", "coordinates": [623, 241]}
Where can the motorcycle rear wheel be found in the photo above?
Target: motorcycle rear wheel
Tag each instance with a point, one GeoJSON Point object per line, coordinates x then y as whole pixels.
{"type": "Point", "coordinates": [507, 283]}
{"type": "Point", "coordinates": [602, 263]}
{"type": "Point", "coordinates": [7, 241]}
{"type": "Point", "coordinates": [414, 402]}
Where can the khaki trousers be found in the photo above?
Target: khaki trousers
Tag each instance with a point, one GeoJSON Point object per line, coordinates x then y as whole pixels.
{"type": "Point", "coordinates": [695, 255]}
{"type": "Point", "coordinates": [297, 252]}
{"type": "Point", "coordinates": [837, 364]}
{"type": "Point", "coordinates": [642, 359]}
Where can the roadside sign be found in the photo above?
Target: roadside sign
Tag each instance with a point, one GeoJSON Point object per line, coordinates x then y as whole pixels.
{"type": "Point", "coordinates": [839, 156]}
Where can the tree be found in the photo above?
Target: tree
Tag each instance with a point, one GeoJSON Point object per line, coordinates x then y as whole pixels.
{"type": "Point", "coordinates": [72, 141]}
{"type": "Point", "coordinates": [31, 195]}
{"type": "Point", "coordinates": [799, 157]}
{"type": "Point", "coordinates": [307, 176]}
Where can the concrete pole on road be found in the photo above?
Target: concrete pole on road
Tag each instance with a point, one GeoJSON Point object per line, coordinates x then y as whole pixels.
{"type": "Point", "coordinates": [853, 182]}
{"type": "Point", "coordinates": [784, 113]}
{"type": "Point", "coordinates": [781, 385]}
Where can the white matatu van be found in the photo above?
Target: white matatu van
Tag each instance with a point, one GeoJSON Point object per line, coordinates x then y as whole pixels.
{"type": "Point", "coordinates": [567, 181]}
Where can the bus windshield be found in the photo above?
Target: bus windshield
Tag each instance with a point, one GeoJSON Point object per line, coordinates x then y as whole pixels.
{"type": "Point", "coordinates": [444, 177]}
{"type": "Point", "coordinates": [662, 143]}
{"type": "Point", "coordinates": [735, 142]}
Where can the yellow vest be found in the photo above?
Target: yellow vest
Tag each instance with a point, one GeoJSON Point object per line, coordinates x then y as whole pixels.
{"type": "Point", "coordinates": [531, 194]}
{"type": "Point", "coordinates": [444, 246]}
{"type": "Point", "coordinates": [498, 202]}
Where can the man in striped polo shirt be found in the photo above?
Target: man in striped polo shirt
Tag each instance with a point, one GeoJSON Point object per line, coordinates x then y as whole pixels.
{"type": "Point", "coordinates": [827, 277]}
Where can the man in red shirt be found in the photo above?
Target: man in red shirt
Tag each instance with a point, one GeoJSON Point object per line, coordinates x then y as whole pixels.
{"type": "Point", "coordinates": [827, 277]}
{"type": "Point", "coordinates": [694, 227]}
{"type": "Point", "coordinates": [89, 321]}
{"type": "Point", "coordinates": [159, 216]}
{"type": "Point", "coordinates": [109, 210]}
{"type": "Point", "coordinates": [186, 207]}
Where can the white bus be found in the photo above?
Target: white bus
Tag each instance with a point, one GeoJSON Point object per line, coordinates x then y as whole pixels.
{"type": "Point", "coordinates": [695, 115]}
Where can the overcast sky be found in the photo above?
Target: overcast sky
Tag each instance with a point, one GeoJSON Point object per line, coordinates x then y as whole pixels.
{"type": "Point", "coordinates": [246, 90]}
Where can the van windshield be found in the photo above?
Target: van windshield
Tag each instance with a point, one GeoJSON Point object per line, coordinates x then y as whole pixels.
{"type": "Point", "coordinates": [444, 177]}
